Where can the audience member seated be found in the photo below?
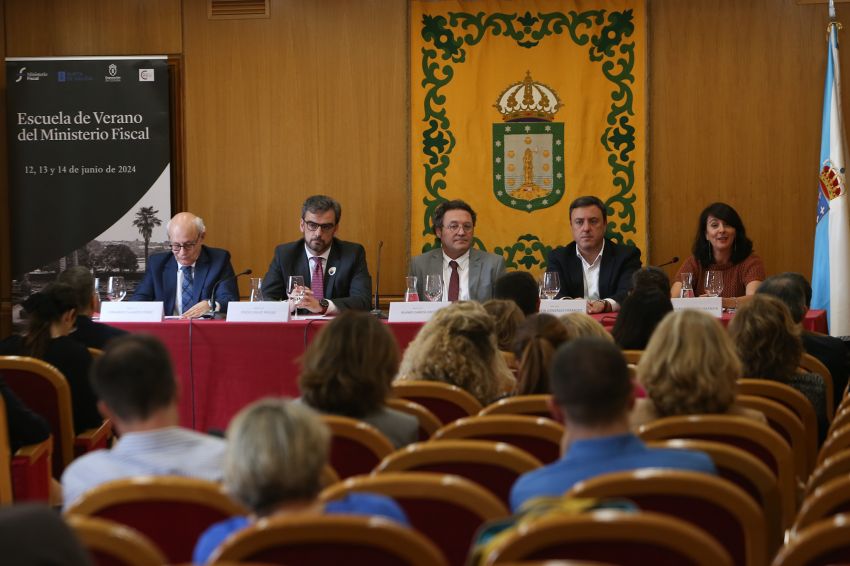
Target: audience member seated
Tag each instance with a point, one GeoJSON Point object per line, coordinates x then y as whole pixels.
{"type": "Point", "coordinates": [458, 346]}
{"type": "Point", "coordinates": [639, 314]}
{"type": "Point", "coordinates": [135, 382]}
{"type": "Point", "coordinates": [794, 290]}
{"type": "Point", "coordinates": [51, 314]}
{"type": "Point", "coordinates": [88, 332]}
{"type": "Point", "coordinates": [521, 288]}
{"type": "Point", "coordinates": [537, 339]}
{"type": "Point", "coordinates": [36, 535]}
{"type": "Point", "coordinates": [592, 394]}
{"type": "Point", "coordinates": [508, 317]}
{"type": "Point", "coordinates": [689, 367]}
{"type": "Point", "coordinates": [582, 325]}
{"type": "Point", "coordinates": [770, 347]}
{"type": "Point", "coordinates": [651, 276]}
{"type": "Point", "coordinates": [25, 427]}
{"type": "Point", "coordinates": [275, 455]}
{"type": "Point", "coordinates": [348, 370]}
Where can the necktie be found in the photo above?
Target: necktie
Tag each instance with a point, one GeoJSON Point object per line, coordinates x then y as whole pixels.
{"type": "Point", "coordinates": [317, 279]}
{"type": "Point", "coordinates": [454, 282]}
{"type": "Point", "coordinates": [186, 288]}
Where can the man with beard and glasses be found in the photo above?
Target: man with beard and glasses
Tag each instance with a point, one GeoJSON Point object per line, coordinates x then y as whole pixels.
{"type": "Point", "coordinates": [335, 274]}
{"type": "Point", "coordinates": [468, 274]}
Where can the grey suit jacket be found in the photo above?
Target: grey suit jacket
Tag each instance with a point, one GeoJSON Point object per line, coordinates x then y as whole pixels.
{"type": "Point", "coordinates": [484, 269]}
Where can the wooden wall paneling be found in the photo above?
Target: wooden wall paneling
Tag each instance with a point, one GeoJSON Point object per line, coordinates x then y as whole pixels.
{"type": "Point", "coordinates": [5, 220]}
{"type": "Point", "coordinates": [735, 102]}
{"type": "Point", "coordinates": [92, 27]}
{"type": "Point", "coordinates": [310, 100]}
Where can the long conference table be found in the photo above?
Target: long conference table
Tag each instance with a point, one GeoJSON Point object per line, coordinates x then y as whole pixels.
{"type": "Point", "coordinates": [223, 366]}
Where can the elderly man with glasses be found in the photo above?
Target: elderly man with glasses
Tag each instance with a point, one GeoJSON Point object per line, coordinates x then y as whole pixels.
{"type": "Point", "coordinates": [334, 272]}
{"type": "Point", "coordinates": [184, 278]}
{"type": "Point", "coordinates": [469, 274]}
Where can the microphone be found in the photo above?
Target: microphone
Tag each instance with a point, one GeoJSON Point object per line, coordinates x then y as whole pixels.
{"type": "Point", "coordinates": [671, 262]}
{"type": "Point", "coordinates": [211, 314]}
{"type": "Point", "coordinates": [376, 312]}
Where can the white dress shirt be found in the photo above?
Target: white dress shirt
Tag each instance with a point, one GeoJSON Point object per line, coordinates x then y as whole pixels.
{"type": "Point", "coordinates": [590, 271]}
{"type": "Point", "coordinates": [463, 273]}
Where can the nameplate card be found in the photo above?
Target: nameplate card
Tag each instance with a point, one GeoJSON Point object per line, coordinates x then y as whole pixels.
{"type": "Point", "coordinates": [258, 311]}
{"type": "Point", "coordinates": [557, 308]}
{"type": "Point", "coordinates": [711, 305]}
{"type": "Point", "coordinates": [131, 311]}
{"type": "Point", "coordinates": [415, 311]}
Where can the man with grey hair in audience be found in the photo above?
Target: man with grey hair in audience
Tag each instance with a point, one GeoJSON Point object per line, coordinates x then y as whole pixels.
{"type": "Point", "coordinates": [793, 289]}
{"type": "Point", "coordinates": [88, 332]}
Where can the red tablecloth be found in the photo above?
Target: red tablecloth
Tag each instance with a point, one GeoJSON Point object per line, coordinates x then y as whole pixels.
{"type": "Point", "coordinates": [815, 320]}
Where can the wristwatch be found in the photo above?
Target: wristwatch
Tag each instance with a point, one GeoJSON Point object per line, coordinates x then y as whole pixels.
{"type": "Point", "coordinates": [324, 304]}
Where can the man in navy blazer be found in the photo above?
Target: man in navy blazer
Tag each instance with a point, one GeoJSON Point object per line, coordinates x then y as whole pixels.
{"type": "Point", "coordinates": [591, 266]}
{"type": "Point", "coordinates": [200, 268]}
{"type": "Point", "coordinates": [345, 280]}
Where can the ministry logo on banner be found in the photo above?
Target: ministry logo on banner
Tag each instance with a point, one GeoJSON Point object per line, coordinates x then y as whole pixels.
{"type": "Point", "coordinates": [528, 148]}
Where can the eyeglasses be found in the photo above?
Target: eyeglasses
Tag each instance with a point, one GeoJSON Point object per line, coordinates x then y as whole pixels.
{"type": "Point", "coordinates": [177, 247]}
{"type": "Point", "coordinates": [455, 227]}
{"type": "Point", "coordinates": [312, 226]}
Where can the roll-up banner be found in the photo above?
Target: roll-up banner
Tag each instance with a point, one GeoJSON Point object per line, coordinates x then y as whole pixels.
{"type": "Point", "coordinates": [89, 166]}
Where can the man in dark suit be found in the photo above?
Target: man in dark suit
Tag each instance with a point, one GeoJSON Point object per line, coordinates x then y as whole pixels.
{"type": "Point", "coordinates": [335, 273]}
{"type": "Point", "coordinates": [591, 266]}
{"type": "Point", "coordinates": [88, 332]}
{"type": "Point", "coordinates": [186, 291]}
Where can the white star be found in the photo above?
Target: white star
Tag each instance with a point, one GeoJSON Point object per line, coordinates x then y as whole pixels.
{"type": "Point", "coordinates": [498, 160]}
{"type": "Point", "coordinates": [545, 201]}
{"type": "Point", "coordinates": [500, 193]}
{"type": "Point", "coordinates": [528, 206]}
{"type": "Point", "coordinates": [558, 191]}
{"type": "Point", "coordinates": [558, 175]}
{"type": "Point", "coordinates": [498, 177]}
{"type": "Point", "coordinates": [822, 210]}
{"type": "Point", "coordinates": [557, 142]}
{"type": "Point", "coordinates": [513, 201]}
{"type": "Point", "coordinates": [507, 128]}
{"type": "Point", "coordinates": [548, 128]}
{"type": "Point", "coordinates": [527, 128]}
{"type": "Point", "coordinates": [558, 158]}
{"type": "Point", "coordinates": [498, 144]}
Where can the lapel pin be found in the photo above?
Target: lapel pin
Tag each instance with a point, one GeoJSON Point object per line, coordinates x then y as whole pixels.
{"type": "Point", "coordinates": [332, 270]}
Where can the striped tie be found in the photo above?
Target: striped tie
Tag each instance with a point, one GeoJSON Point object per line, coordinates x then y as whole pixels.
{"type": "Point", "coordinates": [186, 288]}
{"type": "Point", "coordinates": [317, 279]}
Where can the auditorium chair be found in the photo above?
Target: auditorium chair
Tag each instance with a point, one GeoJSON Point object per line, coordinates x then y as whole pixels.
{"type": "Point", "coordinates": [492, 465]}
{"type": "Point", "coordinates": [24, 475]}
{"type": "Point", "coordinates": [329, 539]}
{"type": "Point", "coordinates": [447, 402]}
{"type": "Point", "coordinates": [831, 498]}
{"type": "Point", "coordinates": [538, 436]}
{"type": "Point", "coordinates": [813, 365]}
{"type": "Point", "coordinates": [329, 476]}
{"type": "Point", "coordinates": [173, 511]}
{"type": "Point", "coordinates": [428, 422]}
{"type": "Point", "coordinates": [755, 438]}
{"type": "Point", "coordinates": [625, 539]}
{"type": "Point", "coordinates": [95, 353]}
{"type": "Point", "coordinates": [832, 467]}
{"type": "Point", "coordinates": [534, 405]}
{"type": "Point", "coordinates": [356, 447]}
{"type": "Point", "coordinates": [786, 395]}
{"type": "Point", "coordinates": [842, 418]}
{"type": "Point", "coordinates": [632, 356]}
{"type": "Point", "coordinates": [824, 543]}
{"type": "Point", "coordinates": [803, 442]}
{"type": "Point", "coordinates": [109, 543]}
{"type": "Point", "coordinates": [447, 509]}
{"type": "Point", "coordinates": [747, 472]}
{"type": "Point", "coordinates": [45, 391]}
{"type": "Point", "coordinates": [837, 441]}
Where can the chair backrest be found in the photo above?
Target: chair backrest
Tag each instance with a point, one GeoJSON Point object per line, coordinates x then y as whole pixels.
{"type": "Point", "coordinates": [492, 465]}
{"type": "Point", "coordinates": [747, 472]}
{"type": "Point", "coordinates": [172, 511]}
{"type": "Point", "coordinates": [534, 405]}
{"type": "Point", "coordinates": [753, 437]}
{"type": "Point", "coordinates": [803, 442]}
{"type": "Point", "coordinates": [356, 447]}
{"type": "Point", "coordinates": [5, 458]}
{"type": "Point", "coordinates": [540, 437]}
{"type": "Point", "coordinates": [626, 539]}
{"type": "Point", "coordinates": [446, 509]}
{"type": "Point", "coordinates": [95, 352]}
{"type": "Point", "coordinates": [45, 390]}
{"type": "Point", "coordinates": [784, 394]}
{"type": "Point", "coordinates": [111, 543]}
{"type": "Point", "coordinates": [831, 498]}
{"type": "Point", "coordinates": [813, 365]}
{"type": "Point", "coordinates": [447, 402]}
{"type": "Point", "coordinates": [837, 441]}
{"type": "Point", "coordinates": [842, 418]}
{"type": "Point", "coordinates": [713, 504]}
{"type": "Point", "coordinates": [834, 466]}
{"type": "Point", "coordinates": [329, 539]}
{"type": "Point", "coordinates": [825, 542]}
{"type": "Point", "coordinates": [632, 356]}
{"type": "Point", "coordinates": [428, 422]}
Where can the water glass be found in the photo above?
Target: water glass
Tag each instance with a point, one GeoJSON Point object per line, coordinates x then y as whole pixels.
{"type": "Point", "coordinates": [434, 287]}
{"type": "Point", "coordinates": [115, 289]}
{"type": "Point", "coordinates": [551, 284]}
{"type": "Point", "coordinates": [256, 289]}
{"type": "Point", "coordinates": [687, 291]}
{"type": "Point", "coordinates": [713, 283]}
{"type": "Point", "coordinates": [410, 292]}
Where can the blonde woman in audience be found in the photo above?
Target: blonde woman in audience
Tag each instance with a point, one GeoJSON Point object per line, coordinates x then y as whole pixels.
{"type": "Point", "coordinates": [536, 341]}
{"type": "Point", "coordinates": [276, 450]}
{"type": "Point", "coordinates": [508, 317]}
{"type": "Point", "coordinates": [689, 367]}
{"type": "Point", "coordinates": [458, 346]}
{"type": "Point", "coordinates": [770, 347]}
{"type": "Point", "coordinates": [348, 370]}
{"type": "Point", "coordinates": [582, 325]}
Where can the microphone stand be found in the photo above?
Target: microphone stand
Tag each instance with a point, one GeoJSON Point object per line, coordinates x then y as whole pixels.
{"type": "Point", "coordinates": [211, 313]}
{"type": "Point", "coordinates": [376, 311]}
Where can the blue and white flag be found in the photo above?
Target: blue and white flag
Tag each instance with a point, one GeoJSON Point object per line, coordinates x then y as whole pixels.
{"type": "Point", "coordinates": [831, 269]}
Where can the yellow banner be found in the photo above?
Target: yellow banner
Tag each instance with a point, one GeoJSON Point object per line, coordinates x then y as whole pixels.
{"type": "Point", "coordinates": [518, 107]}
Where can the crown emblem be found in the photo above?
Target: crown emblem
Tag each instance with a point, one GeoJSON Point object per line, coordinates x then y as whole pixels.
{"type": "Point", "coordinates": [831, 180]}
{"type": "Point", "coordinates": [528, 100]}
